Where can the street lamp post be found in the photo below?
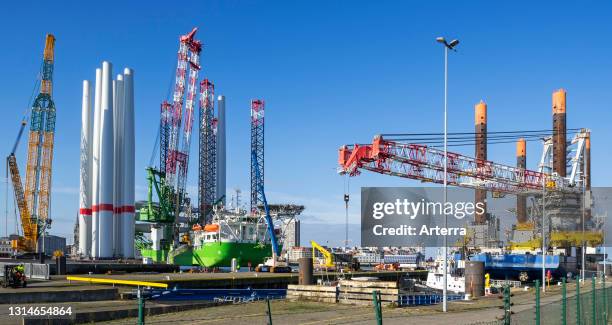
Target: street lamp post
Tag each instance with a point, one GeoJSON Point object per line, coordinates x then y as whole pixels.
{"type": "Point", "coordinates": [543, 234]}
{"type": "Point", "coordinates": [583, 241]}
{"type": "Point", "coordinates": [447, 46]}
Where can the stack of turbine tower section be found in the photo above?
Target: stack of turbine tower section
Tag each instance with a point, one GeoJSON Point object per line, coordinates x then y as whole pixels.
{"type": "Point", "coordinates": [106, 214]}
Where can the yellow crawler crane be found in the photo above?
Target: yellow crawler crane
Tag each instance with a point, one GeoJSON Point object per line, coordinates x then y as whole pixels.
{"type": "Point", "coordinates": [33, 202]}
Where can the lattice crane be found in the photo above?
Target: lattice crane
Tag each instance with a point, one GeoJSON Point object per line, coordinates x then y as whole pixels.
{"type": "Point", "coordinates": [257, 148]}
{"type": "Point", "coordinates": [420, 162]}
{"type": "Point", "coordinates": [208, 149]}
{"type": "Point", "coordinates": [33, 201]}
{"type": "Point", "coordinates": [177, 160]}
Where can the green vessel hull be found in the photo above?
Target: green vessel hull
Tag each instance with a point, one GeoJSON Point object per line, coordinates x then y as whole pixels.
{"type": "Point", "coordinates": [214, 254]}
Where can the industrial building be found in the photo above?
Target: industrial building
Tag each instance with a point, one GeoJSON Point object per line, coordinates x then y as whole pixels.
{"type": "Point", "coordinates": [49, 244]}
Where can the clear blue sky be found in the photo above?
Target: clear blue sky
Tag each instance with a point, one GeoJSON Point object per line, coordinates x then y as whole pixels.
{"type": "Point", "coordinates": [331, 72]}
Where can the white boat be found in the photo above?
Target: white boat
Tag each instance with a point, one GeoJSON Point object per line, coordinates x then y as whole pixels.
{"type": "Point", "coordinates": [455, 281]}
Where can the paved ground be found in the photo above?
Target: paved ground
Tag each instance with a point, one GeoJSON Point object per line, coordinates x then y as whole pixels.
{"type": "Point", "coordinates": [286, 312]}
{"type": "Point", "coordinates": [314, 313]}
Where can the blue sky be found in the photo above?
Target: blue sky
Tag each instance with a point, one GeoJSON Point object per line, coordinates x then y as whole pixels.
{"type": "Point", "coordinates": [331, 72]}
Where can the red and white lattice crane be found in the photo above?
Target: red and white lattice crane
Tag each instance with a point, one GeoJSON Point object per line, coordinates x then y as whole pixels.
{"type": "Point", "coordinates": [177, 159]}
{"type": "Point", "coordinates": [420, 162]}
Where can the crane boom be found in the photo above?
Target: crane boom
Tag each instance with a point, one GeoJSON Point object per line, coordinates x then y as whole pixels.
{"type": "Point", "coordinates": [40, 145]}
{"type": "Point", "coordinates": [426, 164]}
{"type": "Point", "coordinates": [33, 201]}
{"type": "Point", "coordinates": [30, 227]}
{"type": "Point", "coordinates": [177, 155]}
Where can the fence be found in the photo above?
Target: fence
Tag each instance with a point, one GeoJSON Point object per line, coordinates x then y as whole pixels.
{"type": "Point", "coordinates": [425, 299]}
{"type": "Point", "coordinates": [503, 283]}
{"type": "Point", "coordinates": [37, 271]}
{"type": "Point", "coordinates": [586, 304]}
{"type": "Point", "coordinates": [31, 270]}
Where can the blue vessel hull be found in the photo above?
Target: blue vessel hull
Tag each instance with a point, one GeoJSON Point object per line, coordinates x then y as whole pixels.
{"type": "Point", "coordinates": [517, 266]}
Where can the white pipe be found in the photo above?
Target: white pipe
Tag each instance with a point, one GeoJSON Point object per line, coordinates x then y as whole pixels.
{"type": "Point", "coordinates": [85, 174]}
{"type": "Point", "coordinates": [221, 155]}
{"type": "Point", "coordinates": [118, 170]}
{"type": "Point", "coordinates": [105, 207]}
{"type": "Point", "coordinates": [128, 227]}
{"type": "Point", "coordinates": [95, 169]}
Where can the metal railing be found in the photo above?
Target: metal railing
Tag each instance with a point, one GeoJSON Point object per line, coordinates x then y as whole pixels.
{"type": "Point", "coordinates": [32, 270]}
{"type": "Point", "coordinates": [424, 299]}
{"type": "Point", "coordinates": [117, 282]}
{"type": "Point", "coordinates": [502, 283]}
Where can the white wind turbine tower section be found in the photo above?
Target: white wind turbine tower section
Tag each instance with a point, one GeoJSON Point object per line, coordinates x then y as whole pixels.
{"type": "Point", "coordinates": [105, 206]}
{"type": "Point", "coordinates": [107, 167]}
{"type": "Point", "coordinates": [221, 154]}
{"type": "Point", "coordinates": [95, 171]}
{"type": "Point", "coordinates": [118, 161]}
{"type": "Point", "coordinates": [85, 177]}
{"type": "Point", "coordinates": [128, 165]}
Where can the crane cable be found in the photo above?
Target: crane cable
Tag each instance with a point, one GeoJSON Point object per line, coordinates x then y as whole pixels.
{"type": "Point", "coordinates": [494, 137]}
{"type": "Point", "coordinates": [472, 133]}
{"type": "Point", "coordinates": [459, 139]}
